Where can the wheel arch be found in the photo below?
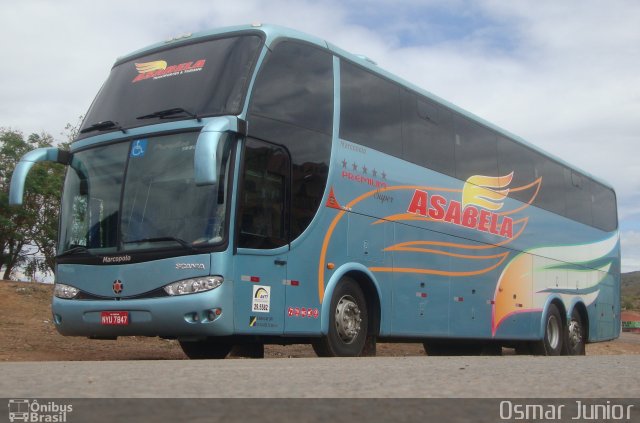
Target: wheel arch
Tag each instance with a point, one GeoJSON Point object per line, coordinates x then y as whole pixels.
{"type": "Point", "coordinates": [581, 308]}
{"type": "Point", "coordinates": [370, 288]}
{"type": "Point", "coordinates": [557, 301]}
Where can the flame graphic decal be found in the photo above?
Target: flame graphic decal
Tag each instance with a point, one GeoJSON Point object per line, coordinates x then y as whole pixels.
{"type": "Point", "coordinates": [529, 278]}
{"type": "Point", "coordinates": [488, 192]}
{"type": "Point", "coordinates": [151, 66]}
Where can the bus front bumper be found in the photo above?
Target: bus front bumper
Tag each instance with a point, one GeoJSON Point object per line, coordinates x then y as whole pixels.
{"type": "Point", "coordinates": [195, 315]}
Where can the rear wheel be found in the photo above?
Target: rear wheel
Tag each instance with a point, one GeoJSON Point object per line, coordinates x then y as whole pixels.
{"type": "Point", "coordinates": [554, 335]}
{"type": "Point", "coordinates": [576, 334]}
{"type": "Point", "coordinates": [348, 322]}
{"type": "Point", "coordinates": [207, 349]}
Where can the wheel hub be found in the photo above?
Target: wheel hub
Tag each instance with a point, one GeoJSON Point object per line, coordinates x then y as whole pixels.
{"type": "Point", "coordinates": [575, 334]}
{"type": "Point", "coordinates": [348, 319]}
{"type": "Point", "coordinates": [553, 332]}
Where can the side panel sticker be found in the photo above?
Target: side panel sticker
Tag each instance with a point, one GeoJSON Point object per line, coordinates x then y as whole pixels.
{"type": "Point", "coordinates": [261, 299]}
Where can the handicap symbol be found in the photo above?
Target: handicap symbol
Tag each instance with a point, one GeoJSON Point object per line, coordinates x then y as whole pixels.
{"type": "Point", "coordinates": [139, 148]}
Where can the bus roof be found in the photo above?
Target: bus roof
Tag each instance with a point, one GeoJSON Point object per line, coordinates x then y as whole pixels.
{"type": "Point", "coordinates": [275, 32]}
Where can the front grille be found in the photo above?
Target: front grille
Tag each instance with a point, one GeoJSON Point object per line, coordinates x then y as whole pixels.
{"type": "Point", "coordinates": [156, 293]}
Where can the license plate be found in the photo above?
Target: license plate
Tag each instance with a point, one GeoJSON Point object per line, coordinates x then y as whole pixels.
{"type": "Point", "coordinates": [120, 318]}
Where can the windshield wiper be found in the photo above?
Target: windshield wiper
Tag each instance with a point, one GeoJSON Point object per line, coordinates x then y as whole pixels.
{"type": "Point", "coordinates": [75, 249]}
{"type": "Point", "coordinates": [103, 126]}
{"type": "Point", "coordinates": [184, 244]}
{"type": "Point", "coordinates": [165, 114]}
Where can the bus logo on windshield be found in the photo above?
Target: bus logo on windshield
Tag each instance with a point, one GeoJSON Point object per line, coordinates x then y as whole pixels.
{"type": "Point", "coordinates": [160, 69]}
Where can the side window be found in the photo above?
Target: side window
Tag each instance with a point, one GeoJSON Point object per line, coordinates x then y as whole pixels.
{"type": "Point", "coordinates": [476, 150]}
{"type": "Point", "coordinates": [427, 134]}
{"type": "Point", "coordinates": [371, 110]}
{"type": "Point", "coordinates": [263, 197]}
{"type": "Point", "coordinates": [603, 207]}
{"type": "Point", "coordinates": [578, 197]}
{"type": "Point", "coordinates": [552, 195]}
{"type": "Point", "coordinates": [295, 85]}
{"type": "Point", "coordinates": [292, 106]}
{"type": "Point", "coordinates": [520, 160]}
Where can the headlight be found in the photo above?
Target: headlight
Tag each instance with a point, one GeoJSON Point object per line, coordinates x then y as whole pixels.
{"type": "Point", "coordinates": [61, 290]}
{"type": "Point", "coordinates": [191, 286]}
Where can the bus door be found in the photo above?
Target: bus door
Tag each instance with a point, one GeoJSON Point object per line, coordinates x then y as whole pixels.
{"type": "Point", "coordinates": [261, 259]}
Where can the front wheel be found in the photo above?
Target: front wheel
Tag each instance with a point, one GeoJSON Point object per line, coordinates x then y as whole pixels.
{"type": "Point", "coordinates": [348, 322]}
{"type": "Point", "coordinates": [554, 335]}
{"type": "Point", "coordinates": [207, 349]}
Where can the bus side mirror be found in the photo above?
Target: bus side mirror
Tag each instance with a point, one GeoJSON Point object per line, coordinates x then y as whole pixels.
{"type": "Point", "coordinates": [206, 158]}
{"type": "Point", "coordinates": [205, 164]}
{"type": "Point", "coordinates": [19, 177]}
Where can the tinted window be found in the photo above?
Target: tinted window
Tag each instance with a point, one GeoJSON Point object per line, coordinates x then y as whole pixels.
{"type": "Point", "coordinates": [206, 78]}
{"type": "Point", "coordinates": [263, 218]}
{"type": "Point", "coordinates": [603, 207]}
{"type": "Point", "coordinates": [295, 85]}
{"type": "Point", "coordinates": [552, 191]}
{"type": "Point", "coordinates": [371, 110]}
{"type": "Point", "coordinates": [301, 120]}
{"type": "Point", "coordinates": [476, 150]}
{"type": "Point", "coordinates": [578, 197]}
{"type": "Point", "coordinates": [516, 158]}
{"type": "Point", "coordinates": [427, 134]}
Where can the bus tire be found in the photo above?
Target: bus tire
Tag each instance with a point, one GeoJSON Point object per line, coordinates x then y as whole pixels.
{"type": "Point", "coordinates": [576, 336]}
{"type": "Point", "coordinates": [348, 322]}
{"type": "Point", "coordinates": [207, 349]}
{"type": "Point", "coordinates": [554, 334]}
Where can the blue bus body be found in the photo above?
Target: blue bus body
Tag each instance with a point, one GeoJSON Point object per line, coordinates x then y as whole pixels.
{"type": "Point", "coordinates": [436, 257]}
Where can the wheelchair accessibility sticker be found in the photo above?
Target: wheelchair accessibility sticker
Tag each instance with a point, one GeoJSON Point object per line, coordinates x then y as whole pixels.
{"type": "Point", "coordinates": [139, 148]}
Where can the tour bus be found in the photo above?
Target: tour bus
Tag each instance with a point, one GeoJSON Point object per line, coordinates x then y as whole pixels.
{"type": "Point", "coordinates": [256, 185]}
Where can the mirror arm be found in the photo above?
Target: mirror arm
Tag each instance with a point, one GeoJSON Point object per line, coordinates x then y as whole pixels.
{"type": "Point", "coordinates": [19, 177]}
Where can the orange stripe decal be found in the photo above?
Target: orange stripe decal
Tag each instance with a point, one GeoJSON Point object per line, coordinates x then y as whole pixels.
{"type": "Point", "coordinates": [440, 272]}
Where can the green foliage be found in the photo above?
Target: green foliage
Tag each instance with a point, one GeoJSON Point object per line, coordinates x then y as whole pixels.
{"type": "Point", "coordinates": [631, 291]}
{"type": "Point", "coordinates": [28, 234]}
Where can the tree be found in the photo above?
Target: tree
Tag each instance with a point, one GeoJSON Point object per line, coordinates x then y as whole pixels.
{"type": "Point", "coordinates": [28, 234]}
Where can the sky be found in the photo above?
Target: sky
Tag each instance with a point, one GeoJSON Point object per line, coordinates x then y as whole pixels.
{"type": "Point", "coordinates": [564, 75]}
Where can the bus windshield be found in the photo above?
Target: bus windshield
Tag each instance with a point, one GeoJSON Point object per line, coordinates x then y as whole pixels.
{"type": "Point", "coordinates": [203, 79]}
{"type": "Point", "coordinates": [141, 194]}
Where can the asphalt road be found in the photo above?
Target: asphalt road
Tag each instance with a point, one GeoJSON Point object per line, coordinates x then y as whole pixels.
{"type": "Point", "coordinates": [614, 376]}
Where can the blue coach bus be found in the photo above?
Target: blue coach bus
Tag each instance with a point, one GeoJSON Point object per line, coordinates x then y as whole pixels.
{"type": "Point", "coordinates": [257, 185]}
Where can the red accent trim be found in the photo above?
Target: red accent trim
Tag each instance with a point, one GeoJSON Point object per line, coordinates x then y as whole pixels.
{"type": "Point", "coordinates": [332, 202]}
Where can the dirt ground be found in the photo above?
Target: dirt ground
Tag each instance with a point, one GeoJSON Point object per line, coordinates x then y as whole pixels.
{"type": "Point", "coordinates": [28, 334]}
